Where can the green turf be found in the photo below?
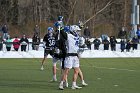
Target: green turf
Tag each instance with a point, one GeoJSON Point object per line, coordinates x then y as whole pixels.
{"type": "Point", "coordinates": [102, 75]}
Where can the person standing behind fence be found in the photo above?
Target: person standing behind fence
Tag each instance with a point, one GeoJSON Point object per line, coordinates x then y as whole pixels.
{"type": "Point", "coordinates": [96, 43]}
{"type": "Point", "coordinates": [135, 42]}
{"type": "Point", "coordinates": [122, 47]}
{"type": "Point", "coordinates": [88, 43]}
{"type": "Point", "coordinates": [106, 44]}
{"type": "Point", "coordinates": [5, 31]}
{"type": "Point", "coordinates": [104, 36]}
{"type": "Point", "coordinates": [8, 43]}
{"type": "Point", "coordinates": [37, 30]}
{"type": "Point", "coordinates": [1, 43]}
{"type": "Point", "coordinates": [123, 33]}
{"type": "Point", "coordinates": [113, 42]}
{"type": "Point", "coordinates": [138, 33]}
{"type": "Point", "coordinates": [35, 42]}
{"type": "Point", "coordinates": [16, 44]}
{"type": "Point", "coordinates": [131, 33]}
{"type": "Point", "coordinates": [87, 32]}
{"type": "Point", "coordinates": [24, 42]}
{"type": "Point", "coordinates": [128, 45]}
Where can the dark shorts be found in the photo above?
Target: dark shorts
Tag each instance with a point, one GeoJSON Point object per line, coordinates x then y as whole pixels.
{"type": "Point", "coordinates": [57, 56]}
{"type": "Point", "coordinates": [47, 51]}
{"type": "Point", "coordinates": [138, 37]}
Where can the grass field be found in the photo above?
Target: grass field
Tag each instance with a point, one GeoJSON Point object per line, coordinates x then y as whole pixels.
{"type": "Point", "coordinates": [119, 75]}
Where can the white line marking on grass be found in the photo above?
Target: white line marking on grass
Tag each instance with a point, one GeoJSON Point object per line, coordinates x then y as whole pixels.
{"type": "Point", "coordinates": [113, 68]}
{"type": "Point", "coordinates": [116, 85]}
{"type": "Point", "coordinates": [99, 78]}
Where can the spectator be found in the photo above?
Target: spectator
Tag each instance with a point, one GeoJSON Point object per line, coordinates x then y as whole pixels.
{"type": "Point", "coordinates": [37, 30]}
{"type": "Point", "coordinates": [80, 24]}
{"type": "Point", "coordinates": [104, 36]}
{"type": "Point", "coordinates": [96, 42]}
{"type": "Point", "coordinates": [88, 43]}
{"type": "Point", "coordinates": [128, 45]}
{"type": "Point", "coordinates": [87, 32]}
{"type": "Point", "coordinates": [1, 43]}
{"type": "Point", "coordinates": [81, 42]}
{"type": "Point", "coordinates": [135, 42]}
{"type": "Point", "coordinates": [123, 33]}
{"type": "Point", "coordinates": [122, 45]}
{"type": "Point", "coordinates": [24, 42]}
{"type": "Point", "coordinates": [131, 33]}
{"type": "Point", "coordinates": [16, 44]}
{"type": "Point", "coordinates": [1, 30]}
{"type": "Point", "coordinates": [138, 33]}
{"type": "Point", "coordinates": [35, 42]}
{"type": "Point", "coordinates": [106, 44]}
{"type": "Point", "coordinates": [5, 31]}
{"type": "Point", "coordinates": [113, 42]}
{"type": "Point", "coordinates": [8, 43]}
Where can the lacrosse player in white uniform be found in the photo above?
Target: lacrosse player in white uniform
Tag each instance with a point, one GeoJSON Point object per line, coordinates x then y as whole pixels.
{"type": "Point", "coordinates": [72, 59]}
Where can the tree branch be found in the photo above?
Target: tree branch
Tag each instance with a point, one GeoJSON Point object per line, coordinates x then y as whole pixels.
{"type": "Point", "coordinates": [71, 11]}
{"type": "Point", "coordinates": [108, 4]}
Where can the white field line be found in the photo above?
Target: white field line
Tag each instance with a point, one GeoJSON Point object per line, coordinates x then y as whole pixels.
{"type": "Point", "coordinates": [112, 68]}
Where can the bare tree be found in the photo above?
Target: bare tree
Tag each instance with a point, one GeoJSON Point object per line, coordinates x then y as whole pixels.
{"type": "Point", "coordinates": [102, 16]}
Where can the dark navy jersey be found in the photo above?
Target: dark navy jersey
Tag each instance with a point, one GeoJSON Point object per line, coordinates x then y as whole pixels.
{"type": "Point", "coordinates": [50, 41]}
{"type": "Point", "coordinates": [62, 40]}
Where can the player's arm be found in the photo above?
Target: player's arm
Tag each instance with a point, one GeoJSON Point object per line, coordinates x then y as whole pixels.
{"type": "Point", "coordinates": [44, 41]}
{"type": "Point", "coordinates": [64, 34]}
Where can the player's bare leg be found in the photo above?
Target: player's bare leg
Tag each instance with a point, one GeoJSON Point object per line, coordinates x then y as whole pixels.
{"type": "Point", "coordinates": [80, 74]}
{"type": "Point", "coordinates": [66, 81]}
{"type": "Point", "coordinates": [76, 71]}
{"type": "Point", "coordinates": [42, 63]}
{"type": "Point", "coordinates": [54, 68]}
{"type": "Point", "coordinates": [64, 78]}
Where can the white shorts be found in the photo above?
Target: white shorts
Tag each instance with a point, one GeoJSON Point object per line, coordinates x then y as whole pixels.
{"type": "Point", "coordinates": [71, 62]}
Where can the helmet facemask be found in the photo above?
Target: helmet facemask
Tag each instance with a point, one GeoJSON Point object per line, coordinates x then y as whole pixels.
{"type": "Point", "coordinates": [74, 30]}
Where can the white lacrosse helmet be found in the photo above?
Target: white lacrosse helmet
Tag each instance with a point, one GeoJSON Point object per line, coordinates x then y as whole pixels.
{"type": "Point", "coordinates": [74, 28]}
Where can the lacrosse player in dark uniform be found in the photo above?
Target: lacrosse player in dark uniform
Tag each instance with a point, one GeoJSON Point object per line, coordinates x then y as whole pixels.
{"type": "Point", "coordinates": [60, 40]}
{"type": "Point", "coordinates": [49, 44]}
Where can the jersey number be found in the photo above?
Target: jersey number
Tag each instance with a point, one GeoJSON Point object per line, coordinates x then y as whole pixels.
{"type": "Point", "coordinates": [51, 42]}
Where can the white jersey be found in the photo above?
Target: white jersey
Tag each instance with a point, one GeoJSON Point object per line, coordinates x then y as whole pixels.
{"type": "Point", "coordinates": [72, 47]}
{"type": "Point", "coordinates": [72, 43]}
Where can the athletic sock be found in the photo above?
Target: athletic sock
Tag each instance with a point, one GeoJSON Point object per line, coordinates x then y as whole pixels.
{"type": "Point", "coordinates": [73, 83]}
{"type": "Point", "coordinates": [83, 81]}
{"type": "Point", "coordinates": [54, 77]}
{"type": "Point", "coordinates": [61, 82]}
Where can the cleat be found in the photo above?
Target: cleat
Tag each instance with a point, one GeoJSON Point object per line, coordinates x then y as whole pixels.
{"type": "Point", "coordinates": [61, 87]}
{"type": "Point", "coordinates": [42, 68]}
{"type": "Point", "coordinates": [53, 80]}
{"type": "Point", "coordinates": [66, 84]}
{"type": "Point", "coordinates": [84, 84]}
{"type": "Point", "coordinates": [76, 87]}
